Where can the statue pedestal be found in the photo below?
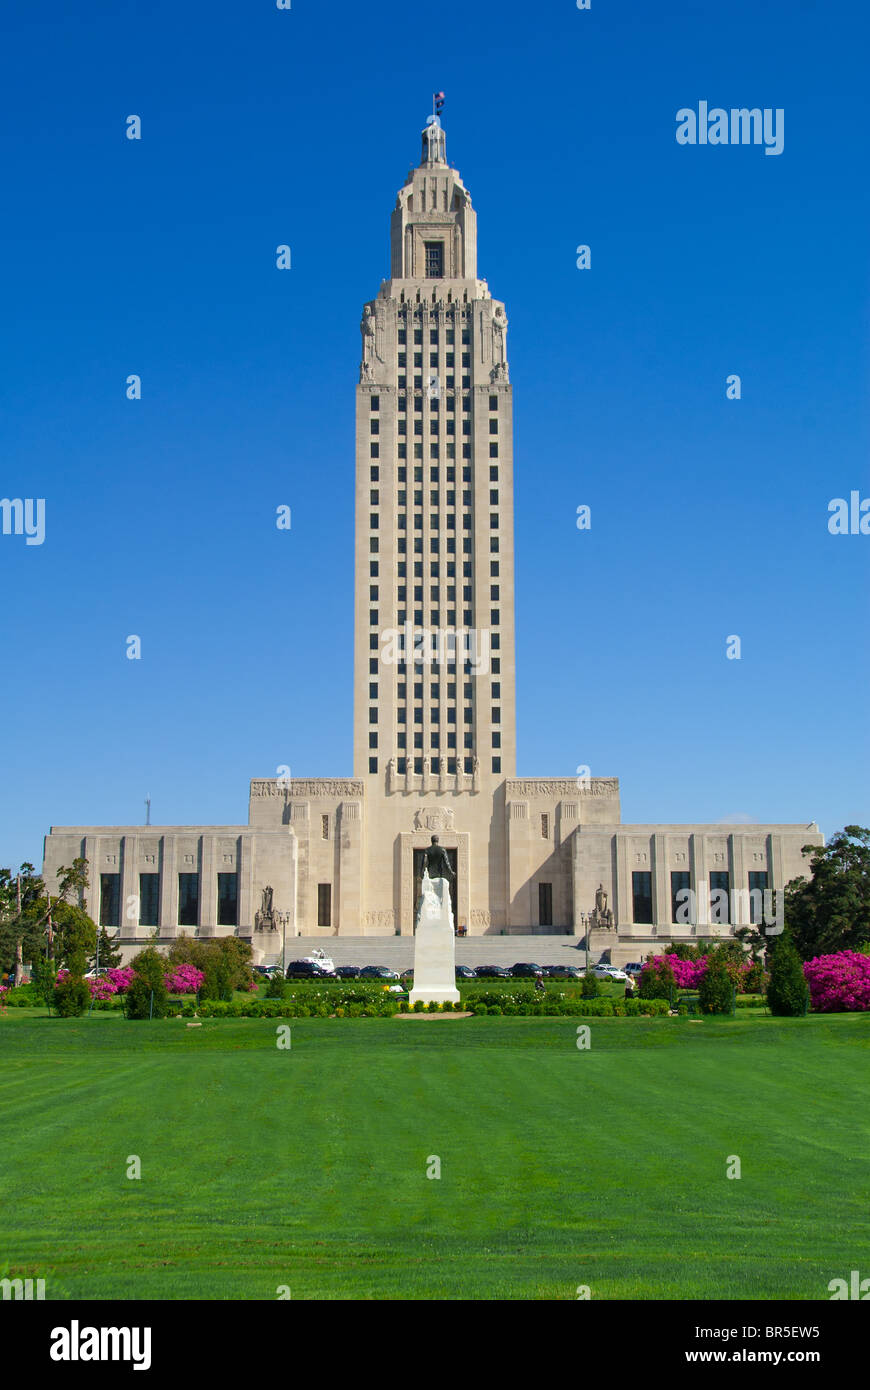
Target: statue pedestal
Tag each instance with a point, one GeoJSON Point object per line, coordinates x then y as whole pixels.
{"type": "Point", "coordinates": [434, 946]}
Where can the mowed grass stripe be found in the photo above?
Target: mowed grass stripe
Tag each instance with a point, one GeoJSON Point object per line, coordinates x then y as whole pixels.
{"type": "Point", "coordinates": [604, 1167]}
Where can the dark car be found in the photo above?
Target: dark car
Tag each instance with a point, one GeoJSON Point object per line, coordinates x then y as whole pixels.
{"type": "Point", "coordinates": [347, 972]}
{"type": "Point", "coordinates": [464, 972]}
{"type": "Point", "coordinates": [407, 977]}
{"type": "Point", "coordinates": [377, 972]}
{"type": "Point", "coordinates": [307, 970]}
{"type": "Point", "coordinates": [492, 972]}
{"type": "Point", "coordinates": [525, 971]}
{"type": "Point", "coordinates": [562, 972]}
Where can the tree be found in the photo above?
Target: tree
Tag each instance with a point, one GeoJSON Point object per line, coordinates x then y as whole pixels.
{"type": "Point", "coordinates": [28, 913]}
{"type": "Point", "coordinates": [109, 953]}
{"type": "Point", "coordinates": [830, 911]}
{"type": "Point", "coordinates": [21, 931]}
{"type": "Point", "coordinates": [147, 995]}
{"type": "Point", "coordinates": [788, 993]}
{"type": "Point", "coordinates": [715, 988]}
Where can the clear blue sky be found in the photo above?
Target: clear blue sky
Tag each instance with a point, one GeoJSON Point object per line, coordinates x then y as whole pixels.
{"type": "Point", "coordinates": [157, 257]}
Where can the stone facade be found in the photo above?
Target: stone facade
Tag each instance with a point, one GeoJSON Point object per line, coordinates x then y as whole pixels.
{"type": "Point", "coordinates": [434, 702]}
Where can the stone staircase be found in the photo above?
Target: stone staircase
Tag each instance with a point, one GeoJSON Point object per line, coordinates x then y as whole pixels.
{"type": "Point", "coordinates": [397, 952]}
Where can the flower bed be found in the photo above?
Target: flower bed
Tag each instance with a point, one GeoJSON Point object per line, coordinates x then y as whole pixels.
{"type": "Point", "coordinates": [839, 983]}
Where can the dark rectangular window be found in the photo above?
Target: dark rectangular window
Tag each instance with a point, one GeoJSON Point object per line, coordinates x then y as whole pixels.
{"type": "Point", "coordinates": [434, 259]}
{"type": "Point", "coordinates": [641, 893]}
{"type": "Point", "coordinates": [757, 887]}
{"type": "Point", "coordinates": [149, 899]}
{"type": "Point", "coordinates": [545, 904]}
{"type": "Point", "coordinates": [324, 904]}
{"type": "Point", "coordinates": [228, 900]}
{"type": "Point", "coordinates": [188, 900]}
{"type": "Point", "coordinates": [719, 898]}
{"type": "Point", "coordinates": [110, 900]}
{"type": "Point", "coordinates": [681, 910]}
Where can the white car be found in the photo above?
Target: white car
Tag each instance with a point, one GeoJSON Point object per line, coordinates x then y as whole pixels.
{"type": "Point", "coordinates": [608, 972]}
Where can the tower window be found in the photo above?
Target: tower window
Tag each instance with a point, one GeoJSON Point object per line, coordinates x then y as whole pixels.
{"type": "Point", "coordinates": [434, 259]}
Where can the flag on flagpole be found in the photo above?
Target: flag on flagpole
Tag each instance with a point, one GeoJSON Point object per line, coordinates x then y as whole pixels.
{"type": "Point", "coordinates": [438, 102]}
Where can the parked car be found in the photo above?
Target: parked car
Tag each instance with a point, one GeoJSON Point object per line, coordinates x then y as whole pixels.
{"type": "Point", "coordinates": [525, 971]}
{"type": "Point", "coordinates": [407, 977]}
{"type": "Point", "coordinates": [464, 972]}
{"type": "Point", "coordinates": [492, 972]}
{"type": "Point", "coordinates": [633, 968]}
{"type": "Point", "coordinates": [608, 972]}
{"type": "Point", "coordinates": [307, 970]}
{"type": "Point", "coordinates": [95, 974]}
{"type": "Point", "coordinates": [562, 972]}
{"type": "Point", "coordinates": [347, 972]}
{"type": "Point", "coordinates": [377, 972]}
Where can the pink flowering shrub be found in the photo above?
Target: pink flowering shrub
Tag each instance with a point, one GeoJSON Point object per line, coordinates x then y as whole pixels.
{"type": "Point", "coordinates": [839, 983]}
{"type": "Point", "coordinates": [688, 974]}
{"type": "Point", "coordinates": [184, 979]}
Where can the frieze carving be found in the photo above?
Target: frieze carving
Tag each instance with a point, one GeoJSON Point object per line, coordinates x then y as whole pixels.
{"type": "Point", "coordinates": [379, 919]}
{"type": "Point", "coordinates": [299, 786]}
{"type": "Point", "coordinates": [480, 918]}
{"type": "Point", "coordinates": [433, 818]}
{"type": "Point", "coordinates": [567, 786]}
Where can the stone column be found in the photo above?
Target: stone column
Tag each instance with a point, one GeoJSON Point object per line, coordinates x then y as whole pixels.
{"type": "Point", "coordinates": [623, 911]}
{"type": "Point", "coordinates": [168, 886]}
{"type": "Point", "coordinates": [91, 852]}
{"type": "Point", "coordinates": [245, 862]}
{"type": "Point", "coordinates": [348, 905]}
{"type": "Point", "coordinates": [129, 885]}
{"type": "Point", "coordinates": [661, 883]}
{"type": "Point", "coordinates": [208, 884]}
{"type": "Point", "coordinates": [700, 881]}
{"type": "Point", "coordinates": [739, 880]}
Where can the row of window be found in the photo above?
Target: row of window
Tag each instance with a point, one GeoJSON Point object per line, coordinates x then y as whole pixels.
{"type": "Point", "coordinates": [435, 690]}
{"type": "Point", "coordinates": [147, 910]}
{"type": "Point", "coordinates": [434, 740]}
{"type": "Point", "coordinates": [719, 906]}
{"type": "Point", "coordinates": [434, 545]}
{"type": "Point", "coordinates": [434, 765]}
{"type": "Point", "coordinates": [401, 474]}
{"type": "Point", "coordinates": [375, 401]}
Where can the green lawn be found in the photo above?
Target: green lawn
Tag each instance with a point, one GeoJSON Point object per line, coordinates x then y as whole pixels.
{"type": "Point", "coordinates": [559, 1167]}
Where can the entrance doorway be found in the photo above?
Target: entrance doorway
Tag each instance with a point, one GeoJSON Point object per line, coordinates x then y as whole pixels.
{"type": "Point", "coordinates": [418, 880]}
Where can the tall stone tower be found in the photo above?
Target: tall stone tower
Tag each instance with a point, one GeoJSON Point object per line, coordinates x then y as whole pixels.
{"type": "Point", "coordinates": [434, 701]}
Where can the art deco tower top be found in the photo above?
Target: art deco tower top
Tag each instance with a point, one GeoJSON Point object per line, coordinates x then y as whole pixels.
{"type": "Point", "coordinates": [433, 231]}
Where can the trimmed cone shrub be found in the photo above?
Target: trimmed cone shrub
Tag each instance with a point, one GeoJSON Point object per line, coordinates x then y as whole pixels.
{"type": "Point", "coordinates": [589, 987]}
{"type": "Point", "coordinates": [788, 994]}
{"type": "Point", "coordinates": [715, 990]}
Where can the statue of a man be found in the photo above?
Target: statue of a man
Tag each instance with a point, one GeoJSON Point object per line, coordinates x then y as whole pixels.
{"type": "Point", "coordinates": [435, 861]}
{"type": "Point", "coordinates": [601, 901]}
{"type": "Point", "coordinates": [267, 901]}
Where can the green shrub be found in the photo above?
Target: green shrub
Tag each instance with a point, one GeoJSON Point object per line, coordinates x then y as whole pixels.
{"type": "Point", "coordinates": [788, 993]}
{"type": "Point", "coordinates": [657, 979]}
{"type": "Point", "coordinates": [419, 1006]}
{"type": "Point", "coordinates": [715, 990]}
{"type": "Point", "coordinates": [590, 988]}
{"type": "Point", "coordinates": [147, 996]}
{"type": "Point", "coordinates": [72, 997]}
{"type": "Point", "coordinates": [276, 988]}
